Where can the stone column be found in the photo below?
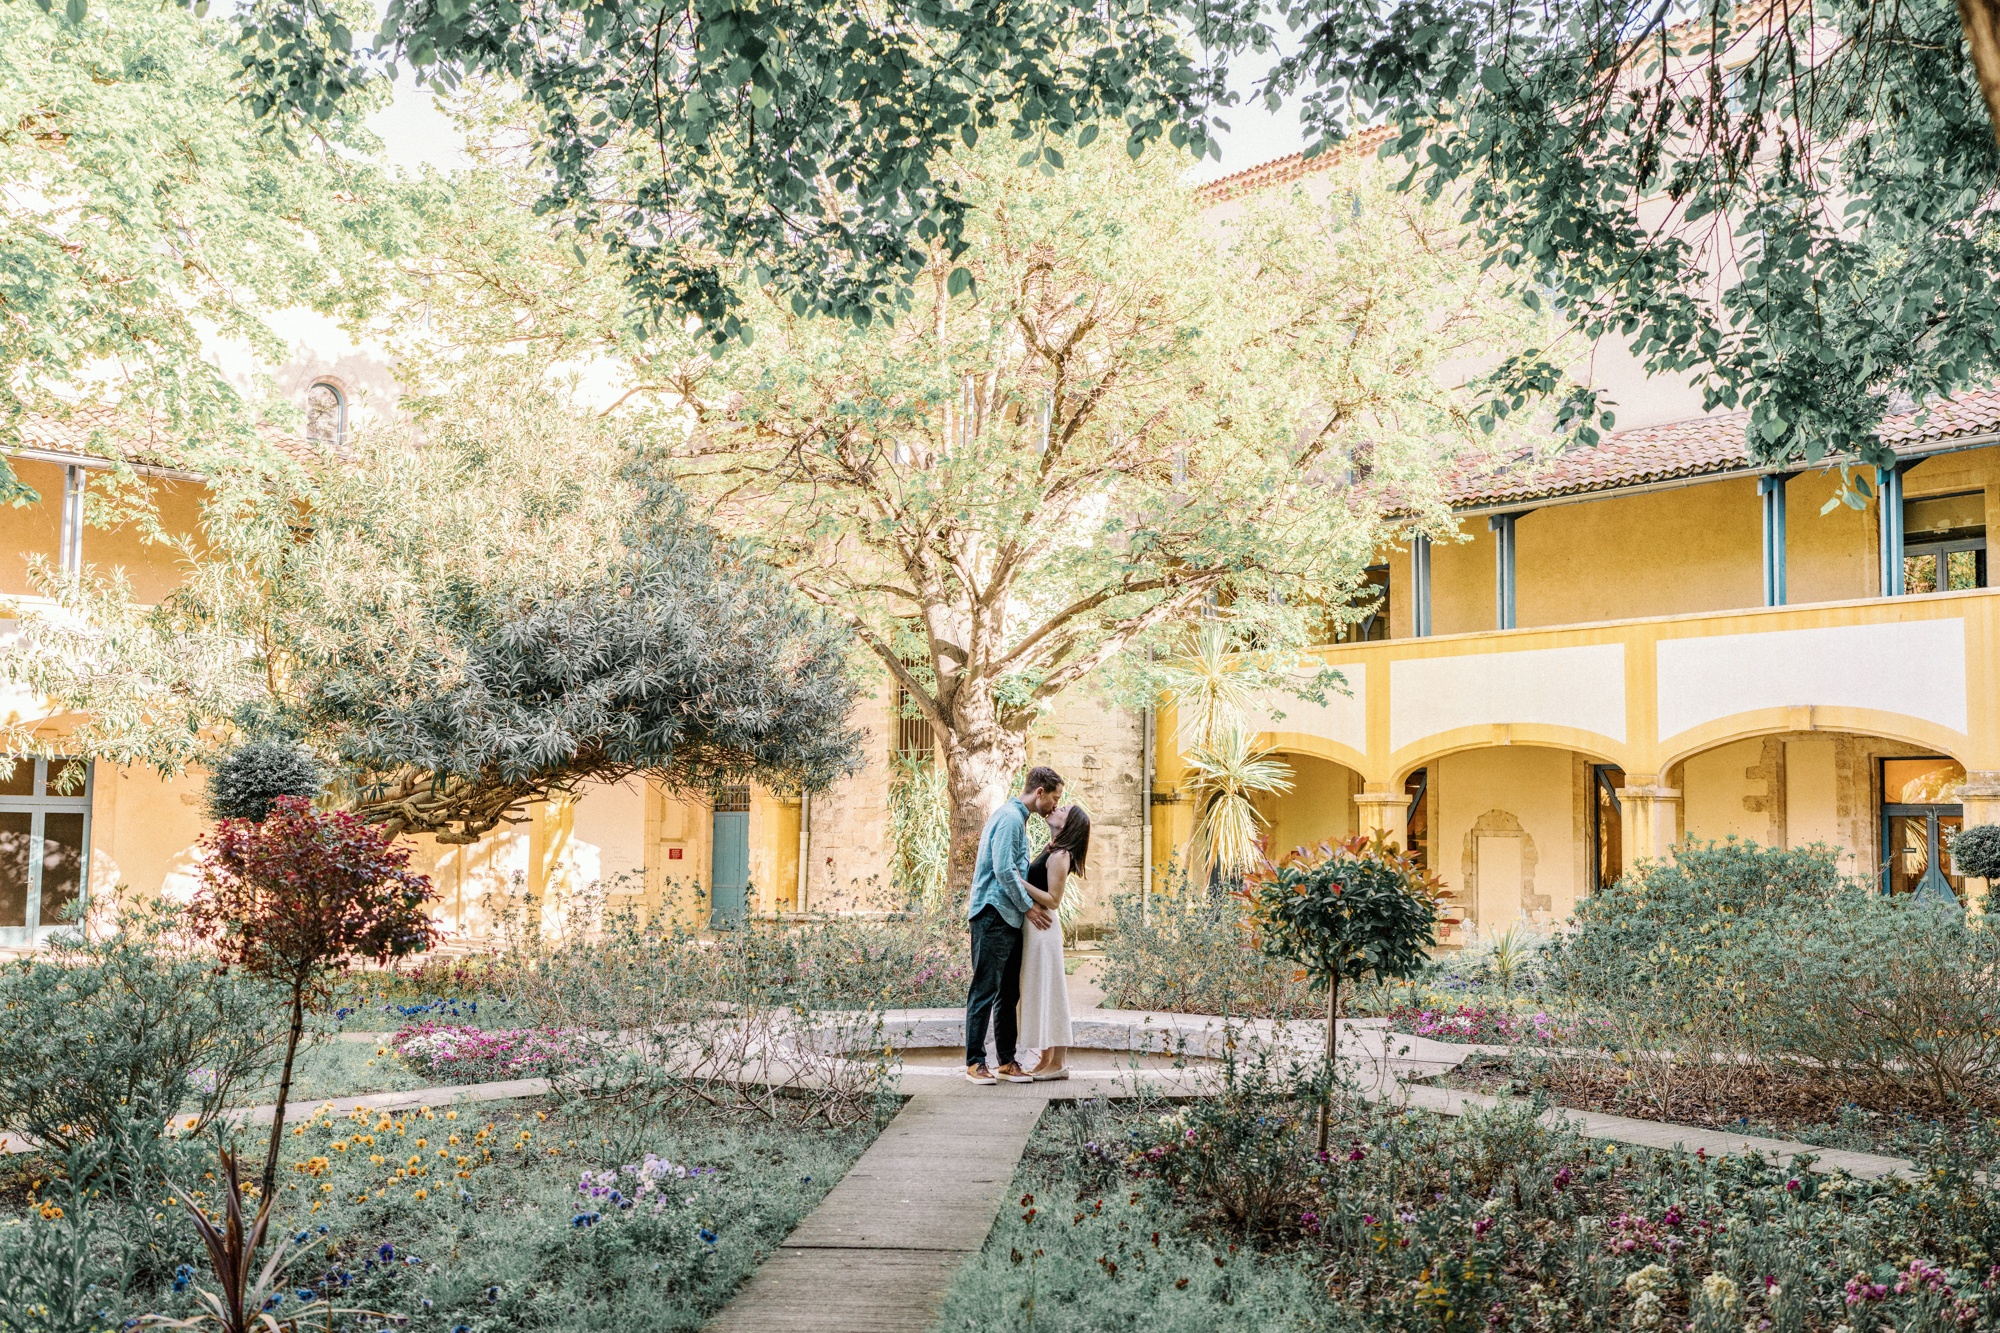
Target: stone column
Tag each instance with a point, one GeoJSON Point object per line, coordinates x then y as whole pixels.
{"type": "Point", "coordinates": [1383, 812]}
{"type": "Point", "coordinates": [1649, 818]}
{"type": "Point", "coordinates": [1980, 798]}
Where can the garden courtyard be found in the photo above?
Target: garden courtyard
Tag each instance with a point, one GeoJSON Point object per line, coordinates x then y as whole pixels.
{"type": "Point", "coordinates": [764, 1129]}
{"type": "Point", "coordinates": [568, 568]}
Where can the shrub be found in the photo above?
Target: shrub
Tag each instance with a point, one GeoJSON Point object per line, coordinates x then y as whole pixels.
{"type": "Point", "coordinates": [244, 782]}
{"type": "Point", "coordinates": [1885, 996]}
{"type": "Point", "coordinates": [1188, 954]}
{"type": "Point", "coordinates": [96, 1026]}
{"type": "Point", "coordinates": [1661, 955]}
{"type": "Point", "coordinates": [1346, 911]}
{"type": "Point", "coordinates": [1976, 852]}
{"type": "Point", "coordinates": [294, 898]}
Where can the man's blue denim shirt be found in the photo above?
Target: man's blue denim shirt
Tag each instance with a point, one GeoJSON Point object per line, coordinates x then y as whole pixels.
{"type": "Point", "coordinates": [1000, 876]}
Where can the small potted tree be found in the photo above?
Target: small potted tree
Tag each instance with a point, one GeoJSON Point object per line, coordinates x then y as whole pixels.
{"type": "Point", "coordinates": [295, 898]}
{"type": "Point", "coordinates": [1345, 911]}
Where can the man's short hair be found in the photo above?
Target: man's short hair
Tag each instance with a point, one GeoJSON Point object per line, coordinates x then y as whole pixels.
{"type": "Point", "coordinates": [1042, 778]}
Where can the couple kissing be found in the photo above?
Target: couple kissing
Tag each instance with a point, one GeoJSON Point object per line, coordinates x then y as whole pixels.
{"type": "Point", "coordinates": [1018, 983]}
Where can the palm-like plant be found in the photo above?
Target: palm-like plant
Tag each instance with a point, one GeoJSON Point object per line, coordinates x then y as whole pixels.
{"type": "Point", "coordinates": [246, 1295]}
{"type": "Point", "coordinates": [1222, 776]}
{"type": "Point", "coordinates": [1214, 686]}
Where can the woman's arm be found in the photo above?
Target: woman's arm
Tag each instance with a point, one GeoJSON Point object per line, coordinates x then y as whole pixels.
{"type": "Point", "coordinates": [1058, 868]}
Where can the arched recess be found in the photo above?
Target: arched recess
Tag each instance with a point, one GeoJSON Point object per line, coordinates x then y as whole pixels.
{"type": "Point", "coordinates": [1320, 806]}
{"type": "Point", "coordinates": [1915, 731]}
{"type": "Point", "coordinates": [1319, 747]}
{"type": "Point", "coordinates": [1597, 747]}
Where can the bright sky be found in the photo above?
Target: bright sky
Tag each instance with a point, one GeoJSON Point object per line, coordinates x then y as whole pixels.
{"type": "Point", "coordinates": [417, 134]}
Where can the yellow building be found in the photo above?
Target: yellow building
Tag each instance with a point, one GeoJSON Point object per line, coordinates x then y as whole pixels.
{"type": "Point", "coordinates": [1654, 640]}
{"type": "Point", "coordinates": [698, 857]}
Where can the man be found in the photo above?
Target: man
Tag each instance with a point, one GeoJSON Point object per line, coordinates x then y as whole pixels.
{"type": "Point", "coordinates": [1000, 903]}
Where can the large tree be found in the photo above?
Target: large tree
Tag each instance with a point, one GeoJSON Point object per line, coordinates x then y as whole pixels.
{"type": "Point", "coordinates": [500, 609]}
{"type": "Point", "coordinates": [149, 218]}
{"type": "Point", "coordinates": [1125, 412]}
{"type": "Point", "coordinates": [1788, 202]}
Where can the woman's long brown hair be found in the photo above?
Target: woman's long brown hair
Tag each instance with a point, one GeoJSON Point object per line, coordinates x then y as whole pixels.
{"type": "Point", "coordinates": [1074, 839]}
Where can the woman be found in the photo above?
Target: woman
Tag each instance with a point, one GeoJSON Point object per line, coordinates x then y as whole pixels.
{"type": "Point", "coordinates": [1044, 985]}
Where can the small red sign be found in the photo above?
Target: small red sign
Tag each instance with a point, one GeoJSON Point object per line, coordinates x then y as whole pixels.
{"type": "Point", "coordinates": [673, 853]}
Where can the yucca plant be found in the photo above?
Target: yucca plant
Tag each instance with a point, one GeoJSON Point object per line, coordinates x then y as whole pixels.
{"type": "Point", "coordinates": [1222, 776]}
{"type": "Point", "coordinates": [243, 1303]}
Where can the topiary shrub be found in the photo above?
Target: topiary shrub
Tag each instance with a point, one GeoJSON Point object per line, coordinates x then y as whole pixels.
{"type": "Point", "coordinates": [1976, 852]}
{"type": "Point", "coordinates": [247, 779]}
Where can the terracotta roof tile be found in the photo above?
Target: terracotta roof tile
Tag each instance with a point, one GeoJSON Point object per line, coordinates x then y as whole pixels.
{"type": "Point", "coordinates": [98, 431]}
{"type": "Point", "coordinates": [1698, 447]}
{"type": "Point", "coordinates": [1285, 170]}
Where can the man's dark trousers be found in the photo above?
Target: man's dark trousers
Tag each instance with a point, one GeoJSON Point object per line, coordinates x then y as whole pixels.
{"type": "Point", "coordinates": [996, 979]}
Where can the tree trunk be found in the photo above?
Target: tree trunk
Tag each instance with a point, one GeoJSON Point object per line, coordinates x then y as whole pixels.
{"type": "Point", "coordinates": [284, 1091]}
{"type": "Point", "coordinates": [1332, 1039]}
{"type": "Point", "coordinates": [1981, 21]}
{"type": "Point", "coordinates": [981, 763]}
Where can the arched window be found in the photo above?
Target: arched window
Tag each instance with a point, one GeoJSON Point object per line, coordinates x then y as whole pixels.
{"type": "Point", "coordinates": [326, 415]}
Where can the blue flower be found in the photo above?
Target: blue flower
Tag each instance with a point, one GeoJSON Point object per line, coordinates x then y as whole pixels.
{"type": "Point", "coordinates": [708, 1235]}
{"type": "Point", "coordinates": [462, 1328]}
{"type": "Point", "coordinates": [387, 1252]}
{"type": "Point", "coordinates": [492, 1294]}
{"type": "Point", "coordinates": [305, 1294]}
{"type": "Point", "coordinates": [302, 1238]}
{"type": "Point", "coordinates": [426, 1302]}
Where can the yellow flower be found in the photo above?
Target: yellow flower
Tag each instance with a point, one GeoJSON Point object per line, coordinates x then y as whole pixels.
{"type": "Point", "coordinates": [421, 1143]}
{"type": "Point", "coordinates": [421, 1195]}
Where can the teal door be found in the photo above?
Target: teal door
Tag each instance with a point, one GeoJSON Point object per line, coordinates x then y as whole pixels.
{"type": "Point", "coordinates": [729, 859]}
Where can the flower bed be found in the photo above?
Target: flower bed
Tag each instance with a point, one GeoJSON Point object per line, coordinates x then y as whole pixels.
{"type": "Point", "coordinates": [1493, 1025]}
{"type": "Point", "coordinates": [442, 1050]}
{"type": "Point", "coordinates": [1222, 1217]}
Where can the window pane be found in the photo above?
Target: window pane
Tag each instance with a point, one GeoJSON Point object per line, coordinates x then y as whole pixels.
{"type": "Point", "coordinates": [1909, 852]}
{"type": "Point", "coordinates": [15, 828]}
{"type": "Point", "coordinates": [1921, 781]}
{"type": "Point", "coordinates": [1610, 834]}
{"type": "Point", "coordinates": [1417, 831]}
{"type": "Point", "coordinates": [66, 778]}
{"type": "Point", "coordinates": [1965, 571]}
{"type": "Point", "coordinates": [22, 781]}
{"type": "Point", "coordinates": [1920, 573]}
{"type": "Point", "coordinates": [62, 865]}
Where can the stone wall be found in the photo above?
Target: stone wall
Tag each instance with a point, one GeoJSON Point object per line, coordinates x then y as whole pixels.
{"type": "Point", "coordinates": [1097, 749]}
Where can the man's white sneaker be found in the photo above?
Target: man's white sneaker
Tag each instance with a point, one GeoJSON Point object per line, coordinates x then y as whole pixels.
{"type": "Point", "coordinates": [1017, 1076]}
{"type": "Point", "coordinates": [979, 1074]}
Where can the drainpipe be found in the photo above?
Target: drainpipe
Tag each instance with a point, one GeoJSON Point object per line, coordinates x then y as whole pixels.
{"type": "Point", "coordinates": [1146, 818]}
{"type": "Point", "coordinates": [805, 849]}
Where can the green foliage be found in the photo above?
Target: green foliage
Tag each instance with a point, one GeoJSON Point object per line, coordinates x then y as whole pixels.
{"type": "Point", "coordinates": [1738, 953]}
{"type": "Point", "coordinates": [502, 615]}
{"type": "Point", "coordinates": [794, 146]}
{"type": "Point", "coordinates": [95, 1026]}
{"type": "Point", "coordinates": [49, 1273]}
{"type": "Point", "coordinates": [1827, 249]}
{"type": "Point", "coordinates": [1129, 1218]}
{"type": "Point", "coordinates": [150, 219]}
{"type": "Point", "coordinates": [919, 829]}
{"type": "Point", "coordinates": [1892, 998]}
{"type": "Point", "coordinates": [1976, 851]}
{"type": "Point", "coordinates": [492, 1244]}
{"type": "Point", "coordinates": [1350, 911]}
{"type": "Point", "coordinates": [245, 780]}
{"type": "Point", "coordinates": [1190, 954]}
